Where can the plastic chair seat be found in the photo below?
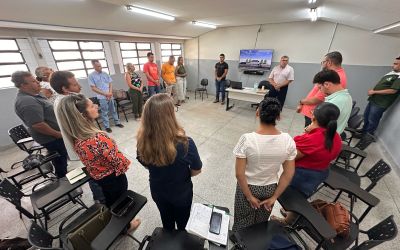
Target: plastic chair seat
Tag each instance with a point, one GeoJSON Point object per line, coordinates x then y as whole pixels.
{"type": "Point", "coordinates": [351, 175]}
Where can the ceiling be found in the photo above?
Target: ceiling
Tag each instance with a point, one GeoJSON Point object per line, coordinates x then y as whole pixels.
{"type": "Point", "coordinates": [112, 14]}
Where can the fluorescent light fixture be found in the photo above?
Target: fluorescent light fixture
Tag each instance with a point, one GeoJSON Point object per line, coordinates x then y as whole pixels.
{"type": "Point", "coordinates": [312, 1]}
{"type": "Point", "coordinates": [150, 12]}
{"type": "Point", "coordinates": [387, 27]}
{"type": "Point", "coordinates": [207, 25]}
{"type": "Point", "coordinates": [313, 14]}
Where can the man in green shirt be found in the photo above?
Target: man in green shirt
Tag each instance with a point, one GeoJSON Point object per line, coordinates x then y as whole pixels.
{"type": "Point", "coordinates": [381, 98]}
{"type": "Point", "coordinates": [329, 83]}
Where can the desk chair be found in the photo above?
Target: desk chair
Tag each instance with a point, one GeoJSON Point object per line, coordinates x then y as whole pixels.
{"type": "Point", "coordinates": [21, 137]}
{"type": "Point", "coordinates": [352, 127]}
{"type": "Point", "coordinates": [96, 101]}
{"type": "Point", "coordinates": [268, 86]}
{"type": "Point", "coordinates": [13, 195]}
{"type": "Point", "coordinates": [384, 231]}
{"type": "Point", "coordinates": [349, 153]}
{"type": "Point", "coordinates": [340, 182]}
{"type": "Point", "coordinates": [309, 220]}
{"type": "Point", "coordinates": [202, 89]}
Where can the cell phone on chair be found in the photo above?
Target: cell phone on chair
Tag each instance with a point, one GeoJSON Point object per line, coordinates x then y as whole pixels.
{"type": "Point", "coordinates": [215, 222]}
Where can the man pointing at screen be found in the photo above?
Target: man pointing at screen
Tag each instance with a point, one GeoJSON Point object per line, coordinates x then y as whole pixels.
{"type": "Point", "coordinates": [280, 78]}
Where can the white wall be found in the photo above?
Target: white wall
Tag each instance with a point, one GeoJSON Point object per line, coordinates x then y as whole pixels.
{"type": "Point", "coordinates": [303, 42]}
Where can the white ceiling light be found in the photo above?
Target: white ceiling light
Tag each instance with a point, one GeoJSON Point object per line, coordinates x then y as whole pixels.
{"type": "Point", "coordinates": [150, 12]}
{"type": "Point", "coordinates": [312, 1]}
{"type": "Point", "coordinates": [207, 25]}
{"type": "Point", "coordinates": [313, 14]}
{"type": "Point", "coordinates": [387, 27]}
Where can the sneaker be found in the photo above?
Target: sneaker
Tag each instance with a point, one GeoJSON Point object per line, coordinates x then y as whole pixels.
{"type": "Point", "coordinates": [215, 101]}
{"type": "Point", "coordinates": [108, 130]}
{"type": "Point", "coordinates": [223, 102]}
{"type": "Point", "coordinates": [119, 125]}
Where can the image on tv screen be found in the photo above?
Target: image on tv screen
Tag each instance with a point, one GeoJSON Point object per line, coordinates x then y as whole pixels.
{"type": "Point", "coordinates": [255, 59]}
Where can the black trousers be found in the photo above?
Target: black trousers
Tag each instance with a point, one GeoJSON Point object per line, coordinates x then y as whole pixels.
{"type": "Point", "coordinates": [280, 95]}
{"type": "Point", "coordinates": [113, 187]}
{"type": "Point", "coordinates": [174, 212]}
{"type": "Point", "coordinates": [60, 163]}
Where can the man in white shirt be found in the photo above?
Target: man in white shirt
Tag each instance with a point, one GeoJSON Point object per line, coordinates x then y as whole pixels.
{"type": "Point", "coordinates": [280, 78]}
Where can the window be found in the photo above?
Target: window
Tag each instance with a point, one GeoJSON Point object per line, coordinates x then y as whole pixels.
{"type": "Point", "coordinates": [170, 49]}
{"type": "Point", "coordinates": [11, 59]}
{"type": "Point", "coordinates": [135, 53]}
{"type": "Point", "coordinates": [76, 56]}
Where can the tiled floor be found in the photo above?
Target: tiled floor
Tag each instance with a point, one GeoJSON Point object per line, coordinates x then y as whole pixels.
{"type": "Point", "coordinates": [215, 132]}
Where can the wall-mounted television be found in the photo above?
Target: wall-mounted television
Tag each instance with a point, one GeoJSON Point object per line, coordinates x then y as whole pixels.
{"type": "Point", "coordinates": [255, 59]}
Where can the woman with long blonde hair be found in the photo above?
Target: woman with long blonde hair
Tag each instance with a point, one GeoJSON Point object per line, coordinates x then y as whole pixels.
{"type": "Point", "coordinates": [171, 158]}
{"type": "Point", "coordinates": [98, 152]}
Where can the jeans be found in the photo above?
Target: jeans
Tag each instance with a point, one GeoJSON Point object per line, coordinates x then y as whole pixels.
{"type": "Point", "coordinates": [97, 191]}
{"type": "Point", "coordinates": [137, 101]}
{"type": "Point", "coordinates": [372, 115]}
{"type": "Point", "coordinates": [154, 90]}
{"type": "Point", "coordinates": [108, 106]}
{"type": "Point", "coordinates": [307, 180]}
{"type": "Point", "coordinates": [220, 88]}
{"type": "Point", "coordinates": [113, 187]}
{"type": "Point", "coordinates": [60, 163]}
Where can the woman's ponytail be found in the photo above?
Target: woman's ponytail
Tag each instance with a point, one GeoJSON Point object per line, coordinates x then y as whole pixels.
{"type": "Point", "coordinates": [330, 134]}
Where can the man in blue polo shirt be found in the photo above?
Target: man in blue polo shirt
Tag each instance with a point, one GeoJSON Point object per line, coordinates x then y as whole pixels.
{"type": "Point", "coordinates": [100, 82]}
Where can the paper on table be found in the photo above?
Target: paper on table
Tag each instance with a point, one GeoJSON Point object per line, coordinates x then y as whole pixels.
{"type": "Point", "coordinates": [75, 175]}
{"type": "Point", "coordinates": [199, 223]}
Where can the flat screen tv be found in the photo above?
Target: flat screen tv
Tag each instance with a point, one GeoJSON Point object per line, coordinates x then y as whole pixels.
{"type": "Point", "coordinates": [255, 59]}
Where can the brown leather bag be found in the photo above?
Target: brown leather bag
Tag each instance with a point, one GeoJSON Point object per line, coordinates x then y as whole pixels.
{"type": "Point", "coordinates": [335, 214]}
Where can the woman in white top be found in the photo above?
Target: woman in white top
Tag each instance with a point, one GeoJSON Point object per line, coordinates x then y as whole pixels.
{"type": "Point", "coordinates": [43, 75]}
{"type": "Point", "coordinates": [259, 157]}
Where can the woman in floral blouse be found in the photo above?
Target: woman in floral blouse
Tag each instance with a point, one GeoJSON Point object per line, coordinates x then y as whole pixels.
{"type": "Point", "coordinates": [98, 152]}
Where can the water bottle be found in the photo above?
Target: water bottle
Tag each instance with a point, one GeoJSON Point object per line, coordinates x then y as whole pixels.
{"type": "Point", "coordinates": [255, 86]}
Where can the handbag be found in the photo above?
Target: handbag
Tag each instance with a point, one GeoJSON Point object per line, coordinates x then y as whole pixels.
{"type": "Point", "coordinates": [94, 221]}
{"type": "Point", "coordinates": [119, 94]}
{"type": "Point", "coordinates": [335, 214]}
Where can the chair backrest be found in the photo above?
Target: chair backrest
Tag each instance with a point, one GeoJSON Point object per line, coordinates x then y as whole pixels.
{"type": "Point", "coordinates": [40, 238]}
{"type": "Point", "coordinates": [354, 104]}
{"type": "Point", "coordinates": [204, 82]}
{"type": "Point", "coordinates": [354, 112]}
{"type": "Point", "coordinates": [18, 133]}
{"type": "Point", "coordinates": [364, 142]}
{"type": "Point", "coordinates": [355, 121]}
{"type": "Point", "coordinates": [264, 83]}
{"type": "Point", "coordinates": [384, 231]}
{"type": "Point", "coordinates": [379, 170]}
{"type": "Point", "coordinates": [12, 194]}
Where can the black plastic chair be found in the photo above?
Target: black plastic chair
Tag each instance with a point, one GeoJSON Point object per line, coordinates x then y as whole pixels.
{"type": "Point", "coordinates": [349, 153]}
{"type": "Point", "coordinates": [21, 137]}
{"type": "Point", "coordinates": [202, 89]}
{"type": "Point", "coordinates": [40, 238]}
{"type": "Point", "coordinates": [21, 176]}
{"type": "Point", "coordinates": [12, 194]}
{"type": "Point", "coordinates": [267, 85]}
{"type": "Point", "coordinates": [123, 105]}
{"type": "Point", "coordinates": [354, 112]}
{"type": "Point", "coordinates": [352, 127]}
{"type": "Point", "coordinates": [384, 231]}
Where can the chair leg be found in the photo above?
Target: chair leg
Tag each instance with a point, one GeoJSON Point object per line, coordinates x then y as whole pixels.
{"type": "Point", "coordinates": [337, 197]}
{"type": "Point", "coordinates": [123, 111]}
{"type": "Point", "coordinates": [206, 93]}
{"type": "Point", "coordinates": [195, 94]}
{"type": "Point", "coordinates": [202, 95]}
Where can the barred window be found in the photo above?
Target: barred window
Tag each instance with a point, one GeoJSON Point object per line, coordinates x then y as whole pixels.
{"type": "Point", "coordinates": [11, 59]}
{"type": "Point", "coordinates": [135, 53]}
{"type": "Point", "coordinates": [76, 56]}
{"type": "Point", "coordinates": [170, 49]}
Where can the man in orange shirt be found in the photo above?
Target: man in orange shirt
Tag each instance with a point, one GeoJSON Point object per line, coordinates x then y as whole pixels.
{"type": "Point", "coordinates": [151, 71]}
{"type": "Point", "coordinates": [333, 61]}
{"type": "Point", "coordinates": [168, 75]}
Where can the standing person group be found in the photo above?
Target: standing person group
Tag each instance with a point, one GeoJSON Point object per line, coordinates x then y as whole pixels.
{"type": "Point", "coordinates": [174, 78]}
